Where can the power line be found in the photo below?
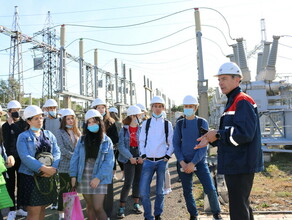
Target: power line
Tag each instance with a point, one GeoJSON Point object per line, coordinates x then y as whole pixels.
{"type": "Point", "coordinates": [285, 45]}
{"type": "Point", "coordinates": [216, 44]}
{"type": "Point", "coordinates": [130, 25]}
{"type": "Point", "coordinates": [138, 54]}
{"type": "Point", "coordinates": [222, 17]}
{"type": "Point", "coordinates": [137, 44]}
{"type": "Point", "coordinates": [103, 9]}
{"type": "Point", "coordinates": [149, 42]}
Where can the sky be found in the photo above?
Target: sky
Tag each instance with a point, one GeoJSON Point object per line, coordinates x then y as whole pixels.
{"type": "Point", "coordinates": [166, 50]}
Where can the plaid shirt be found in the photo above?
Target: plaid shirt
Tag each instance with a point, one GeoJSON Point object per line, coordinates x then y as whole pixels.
{"type": "Point", "coordinates": [67, 149]}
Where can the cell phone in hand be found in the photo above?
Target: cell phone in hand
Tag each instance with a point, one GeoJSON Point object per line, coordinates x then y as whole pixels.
{"type": "Point", "coordinates": [203, 131]}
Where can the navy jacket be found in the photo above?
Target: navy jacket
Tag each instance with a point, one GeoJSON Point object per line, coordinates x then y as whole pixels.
{"type": "Point", "coordinates": [239, 147]}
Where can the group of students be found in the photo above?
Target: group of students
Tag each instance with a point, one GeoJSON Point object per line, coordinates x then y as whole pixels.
{"type": "Point", "coordinates": [85, 161]}
{"type": "Point", "coordinates": [43, 149]}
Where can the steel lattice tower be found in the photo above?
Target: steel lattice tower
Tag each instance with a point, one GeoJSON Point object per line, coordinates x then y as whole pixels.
{"type": "Point", "coordinates": [49, 60]}
{"type": "Point", "coordinates": [16, 62]}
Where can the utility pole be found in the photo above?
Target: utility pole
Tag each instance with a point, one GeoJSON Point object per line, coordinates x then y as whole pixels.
{"type": "Point", "coordinates": [202, 82]}
{"type": "Point", "coordinates": [117, 80]}
{"type": "Point", "coordinates": [95, 73]}
{"type": "Point", "coordinates": [16, 62]}
{"type": "Point", "coordinates": [124, 84]}
{"type": "Point", "coordinates": [147, 87]}
{"type": "Point", "coordinates": [131, 86]}
{"type": "Point", "coordinates": [81, 67]}
{"type": "Point", "coordinates": [62, 67]}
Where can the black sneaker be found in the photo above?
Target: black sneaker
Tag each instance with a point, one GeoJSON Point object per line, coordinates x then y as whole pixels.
{"type": "Point", "coordinates": [193, 217]}
{"type": "Point", "coordinates": [137, 209]}
{"type": "Point", "coordinates": [157, 217]}
{"type": "Point", "coordinates": [121, 213]}
{"type": "Point", "coordinates": [217, 216]}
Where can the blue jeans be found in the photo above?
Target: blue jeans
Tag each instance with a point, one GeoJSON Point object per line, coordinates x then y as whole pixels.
{"type": "Point", "coordinates": [148, 170]}
{"type": "Point", "coordinates": [204, 176]}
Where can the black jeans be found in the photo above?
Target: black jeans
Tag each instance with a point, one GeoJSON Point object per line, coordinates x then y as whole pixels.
{"type": "Point", "coordinates": [108, 202]}
{"type": "Point", "coordinates": [132, 178]}
{"type": "Point", "coordinates": [239, 187]}
{"type": "Point", "coordinates": [116, 152]}
{"type": "Point", "coordinates": [65, 186]}
{"type": "Point", "coordinates": [11, 182]}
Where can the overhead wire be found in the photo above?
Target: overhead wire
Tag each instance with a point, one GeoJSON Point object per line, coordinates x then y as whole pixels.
{"type": "Point", "coordinates": [229, 32]}
{"type": "Point", "coordinates": [130, 25]}
{"type": "Point", "coordinates": [103, 9]}
{"type": "Point", "coordinates": [147, 53]}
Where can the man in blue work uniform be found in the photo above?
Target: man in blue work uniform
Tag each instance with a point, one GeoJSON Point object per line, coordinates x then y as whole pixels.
{"type": "Point", "coordinates": [191, 161]}
{"type": "Point", "coordinates": [239, 142]}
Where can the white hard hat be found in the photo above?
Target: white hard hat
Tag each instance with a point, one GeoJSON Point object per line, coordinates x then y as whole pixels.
{"type": "Point", "coordinates": [229, 68]}
{"type": "Point", "coordinates": [1, 110]}
{"type": "Point", "coordinates": [92, 113]}
{"type": "Point", "coordinates": [97, 101]}
{"type": "Point", "coordinates": [67, 111]}
{"type": "Point", "coordinates": [157, 99]}
{"type": "Point", "coordinates": [190, 100]}
{"type": "Point", "coordinates": [61, 111]}
{"type": "Point", "coordinates": [133, 110]}
{"type": "Point", "coordinates": [163, 114]}
{"type": "Point", "coordinates": [113, 109]}
{"type": "Point", "coordinates": [13, 104]}
{"type": "Point", "coordinates": [142, 107]}
{"type": "Point", "coordinates": [31, 111]}
{"type": "Point", "coordinates": [50, 103]}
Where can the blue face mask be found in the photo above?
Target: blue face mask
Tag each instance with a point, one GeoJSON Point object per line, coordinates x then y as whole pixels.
{"type": "Point", "coordinates": [189, 112]}
{"type": "Point", "coordinates": [93, 128]}
{"type": "Point", "coordinates": [34, 128]}
{"type": "Point", "coordinates": [53, 114]}
{"type": "Point", "coordinates": [69, 126]}
{"type": "Point", "coordinates": [103, 114]}
{"type": "Point", "coordinates": [156, 116]}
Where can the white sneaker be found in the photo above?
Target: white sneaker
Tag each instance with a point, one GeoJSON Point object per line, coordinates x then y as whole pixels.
{"type": "Point", "coordinates": [11, 215]}
{"type": "Point", "coordinates": [61, 216]}
{"type": "Point", "coordinates": [167, 191]}
{"type": "Point", "coordinates": [21, 212]}
{"type": "Point", "coordinates": [54, 207]}
{"type": "Point", "coordinates": [115, 177]}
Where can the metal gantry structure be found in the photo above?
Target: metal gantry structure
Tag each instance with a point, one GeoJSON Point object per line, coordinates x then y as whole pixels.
{"type": "Point", "coordinates": [53, 64]}
{"type": "Point", "coordinates": [16, 61]}
{"type": "Point", "coordinates": [49, 59]}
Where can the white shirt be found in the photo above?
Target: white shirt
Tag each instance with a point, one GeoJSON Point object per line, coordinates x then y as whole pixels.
{"type": "Point", "coordinates": [156, 146]}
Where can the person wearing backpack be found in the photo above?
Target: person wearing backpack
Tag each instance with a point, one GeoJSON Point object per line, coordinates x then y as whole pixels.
{"type": "Point", "coordinates": [191, 161]}
{"type": "Point", "coordinates": [155, 145]}
{"type": "Point", "coordinates": [114, 114]}
{"type": "Point", "coordinates": [40, 156]}
{"type": "Point", "coordinates": [13, 126]}
{"type": "Point", "coordinates": [130, 157]}
{"type": "Point", "coordinates": [52, 123]}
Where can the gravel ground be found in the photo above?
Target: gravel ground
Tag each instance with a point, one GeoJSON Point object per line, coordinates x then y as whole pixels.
{"type": "Point", "coordinates": [174, 206]}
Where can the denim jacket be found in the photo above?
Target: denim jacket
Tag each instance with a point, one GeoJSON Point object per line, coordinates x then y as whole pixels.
{"type": "Point", "coordinates": [26, 148]}
{"type": "Point", "coordinates": [124, 144]}
{"type": "Point", "coordinates": [104, 163]}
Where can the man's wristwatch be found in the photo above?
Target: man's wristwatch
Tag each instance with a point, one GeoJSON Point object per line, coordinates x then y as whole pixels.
{"type": "Point", "coordinates": [218, 135]}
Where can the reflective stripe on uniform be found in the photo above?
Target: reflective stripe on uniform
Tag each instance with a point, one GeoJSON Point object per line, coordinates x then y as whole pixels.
{"type": "Point", "coordinates": [231, 138]}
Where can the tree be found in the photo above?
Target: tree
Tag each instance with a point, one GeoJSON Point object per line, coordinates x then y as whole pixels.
{"type": "Point", "coordinates": [9, 90]}
{"type": "Point", "coordinates": [179, 108]}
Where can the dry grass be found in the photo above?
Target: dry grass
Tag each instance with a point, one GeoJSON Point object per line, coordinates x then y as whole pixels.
{"type": "Point", "coordinates": [272, 189]}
